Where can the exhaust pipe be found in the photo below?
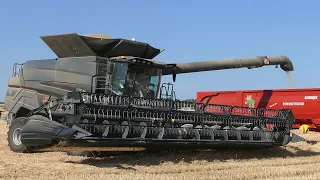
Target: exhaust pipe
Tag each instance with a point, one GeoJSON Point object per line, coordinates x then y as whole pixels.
{"type": "Point", "coordinates": [253, 62]}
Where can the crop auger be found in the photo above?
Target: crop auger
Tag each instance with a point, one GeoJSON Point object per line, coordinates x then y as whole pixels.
{"type": "Point", "coordinates": [102, 94]}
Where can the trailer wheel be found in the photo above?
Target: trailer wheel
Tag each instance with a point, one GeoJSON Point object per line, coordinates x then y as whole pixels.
{"type": "Point", "coordinates": [14, 136]}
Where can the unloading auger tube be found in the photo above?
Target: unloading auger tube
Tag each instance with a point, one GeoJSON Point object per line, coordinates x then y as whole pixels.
{"type": "Point", "coordinates": [85, 121]}
{"type": "Point", "coordinates": [251, 62]}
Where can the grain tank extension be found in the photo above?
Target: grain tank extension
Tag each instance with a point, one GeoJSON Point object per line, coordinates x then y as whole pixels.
{"type": "Point", "coordinates": [102, 94]}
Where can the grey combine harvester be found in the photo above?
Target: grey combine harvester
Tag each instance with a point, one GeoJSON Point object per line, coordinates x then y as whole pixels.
{"type": "Point", "coordinates": [105, 94]}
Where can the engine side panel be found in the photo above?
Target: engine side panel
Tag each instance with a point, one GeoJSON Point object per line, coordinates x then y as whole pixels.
{"type": "Point", "coordinates": [39, 79]}
{"type": "Point", "coordinates": [17, 98]}
{"type": "Point", "coordinates": [58, 77]}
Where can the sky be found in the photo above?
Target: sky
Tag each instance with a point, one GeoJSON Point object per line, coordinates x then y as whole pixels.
{"type": "Point", "coordinates": [188, 31]}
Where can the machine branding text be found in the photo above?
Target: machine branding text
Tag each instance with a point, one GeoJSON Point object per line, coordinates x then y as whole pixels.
{"type": "Point", "coordinates": [293, 103]}
{"type": "Point", "coordinates": [311, 97]}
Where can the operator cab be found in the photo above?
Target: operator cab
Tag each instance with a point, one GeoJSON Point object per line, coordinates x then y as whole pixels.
{"type": "Point", "coordinates": [137, 77]}
{"type": "Point", "coordinates": [134, 80]}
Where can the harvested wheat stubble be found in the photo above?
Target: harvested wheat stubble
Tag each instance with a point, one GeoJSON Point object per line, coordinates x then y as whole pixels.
{"type": "Point", "coordinates": [294, 161]}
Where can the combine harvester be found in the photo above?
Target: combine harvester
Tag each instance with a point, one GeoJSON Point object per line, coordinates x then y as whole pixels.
{"type": "Point", "coordinates": [104, 94]}
{"type": "Point", "coordinates": [303, 102]}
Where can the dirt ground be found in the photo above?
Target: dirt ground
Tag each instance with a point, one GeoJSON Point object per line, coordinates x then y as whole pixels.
{"type": "Point", "coordinates": [294, 161]}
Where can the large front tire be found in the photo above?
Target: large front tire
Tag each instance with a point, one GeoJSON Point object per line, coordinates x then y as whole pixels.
{"type": "Point", "coordinates": [14, 136]}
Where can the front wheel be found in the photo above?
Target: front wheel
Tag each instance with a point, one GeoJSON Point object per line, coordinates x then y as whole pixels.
{"type": "Point", "coordinates": [14, 136]}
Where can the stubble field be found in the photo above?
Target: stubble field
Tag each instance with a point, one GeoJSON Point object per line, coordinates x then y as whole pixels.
{"type": "Point", "coordinates": [294, 161]}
